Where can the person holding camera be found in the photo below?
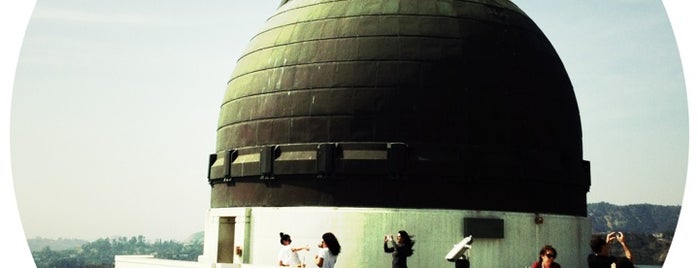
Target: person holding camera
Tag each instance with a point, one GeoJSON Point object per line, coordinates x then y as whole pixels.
{"type": "Point", "coordinates": [600, 258]}
{"type": "Point", "coordinates": [328, 250]}
{"type": "Point", "coordinates": [401, 250]}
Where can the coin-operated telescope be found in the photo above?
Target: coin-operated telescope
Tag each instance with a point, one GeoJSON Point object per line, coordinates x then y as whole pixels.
{"type": "Point", "coordinates": [460, 252]}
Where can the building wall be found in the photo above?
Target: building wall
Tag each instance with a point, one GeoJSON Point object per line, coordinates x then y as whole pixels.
{"type": "Point", "coordinates": [361, 230]}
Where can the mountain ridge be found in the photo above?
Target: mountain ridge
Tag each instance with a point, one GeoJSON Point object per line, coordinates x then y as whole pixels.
{"type": "Point", "coordinates": [634, 218]}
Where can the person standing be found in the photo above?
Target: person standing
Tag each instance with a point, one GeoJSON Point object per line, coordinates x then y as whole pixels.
{"type": "Point", "coordinates": [402, 248]}
{"type": "Point", "coordinates": [329, 249]}
{"type": "Point", "coordinates": [547, 255]}
{"type": "Point", "coordinates": [599, 258]}
{"type": "Point", "coordinates": [288, 255]}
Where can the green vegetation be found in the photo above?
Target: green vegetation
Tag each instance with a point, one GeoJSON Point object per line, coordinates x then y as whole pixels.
{"type": "Point", "coordinates": [639, 218]}
{"type": "Point", "coordinates": [100, 253]}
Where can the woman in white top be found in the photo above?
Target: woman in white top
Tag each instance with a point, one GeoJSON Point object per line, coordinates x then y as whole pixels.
{"type": "Point", "coordinates": [329, 249]}
{"type": "Point", "coordinates": [288, 255]}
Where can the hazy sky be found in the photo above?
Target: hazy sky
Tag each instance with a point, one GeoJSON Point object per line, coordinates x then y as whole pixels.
{"type": "Point", "coordinates": [115, 107]}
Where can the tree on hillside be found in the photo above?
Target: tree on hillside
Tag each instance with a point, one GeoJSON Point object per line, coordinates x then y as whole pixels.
{"type": "Point", "coordinates": [100, 253]}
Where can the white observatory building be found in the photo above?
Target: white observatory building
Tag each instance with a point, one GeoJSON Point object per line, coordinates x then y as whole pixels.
{"type": "Point", "coordinates": [444, 118]}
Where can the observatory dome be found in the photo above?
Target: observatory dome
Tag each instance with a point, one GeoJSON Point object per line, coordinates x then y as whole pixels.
{"type": "Point", "coordinates": [455, 104]}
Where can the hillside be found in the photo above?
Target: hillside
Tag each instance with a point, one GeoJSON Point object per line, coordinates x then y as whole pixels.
{"type": "Point", "coordinates": [38, 243]}
{"type": "Point", "coordinates": [649, 229]}
{"type": "Point", "coordinates": [640, 218]}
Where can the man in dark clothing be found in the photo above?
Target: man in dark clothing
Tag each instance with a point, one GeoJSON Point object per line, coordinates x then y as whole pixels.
{"type": "Point", "coordinates": [600, 247]}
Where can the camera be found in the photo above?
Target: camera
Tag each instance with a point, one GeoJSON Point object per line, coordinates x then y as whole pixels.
{"type": "Point", "coordinates": [616, 235]}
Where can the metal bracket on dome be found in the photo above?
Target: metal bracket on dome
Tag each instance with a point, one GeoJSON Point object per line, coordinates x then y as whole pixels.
{"type": "Point", "coordinates": [267, 156]}
{"type": "Point", "coordinates": [212, 160]}
{"type": "Point", "coordinates": [396, 158]}
{"type": "Point", "coordinates": [228, 159]}
{"type": "Point", "coordinates": [326, 155]}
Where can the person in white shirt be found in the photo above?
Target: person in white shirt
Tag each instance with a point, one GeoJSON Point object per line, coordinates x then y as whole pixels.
{"type": "Point", "coordinates": [288, 255]}
{"type": "Point", "coordinates": [329, 249]}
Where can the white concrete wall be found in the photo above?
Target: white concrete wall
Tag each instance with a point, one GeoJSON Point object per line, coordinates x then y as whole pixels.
{"type": "Point", "coordinates": [148, 261]}
{"type": "Point", "coordinates": [144, 261]}
{"type": "Point", "coordinates": [360, 232]}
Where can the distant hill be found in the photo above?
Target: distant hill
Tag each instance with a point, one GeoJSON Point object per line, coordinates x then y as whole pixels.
{"type": "Point", "coordinates": [38, 243]}
{"type": "Point", "coordinates": [649, 229]}
{"type": "Point", "coordinates": [195, 238]}
{"type": "Point", "coordinates": [640, 218]}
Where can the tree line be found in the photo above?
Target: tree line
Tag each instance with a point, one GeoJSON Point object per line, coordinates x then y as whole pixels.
{"type": "Point", "coordinates": [100, 253]}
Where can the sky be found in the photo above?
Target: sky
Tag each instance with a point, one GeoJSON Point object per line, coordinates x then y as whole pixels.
{"type": "Point", "coordinates": [623, 61]}
{"type": "Point", "coordinates": [114, 107]}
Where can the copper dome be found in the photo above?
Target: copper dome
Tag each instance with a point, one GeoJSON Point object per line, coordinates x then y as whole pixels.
{"type": "Point", "coordinates": [400, 103]}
